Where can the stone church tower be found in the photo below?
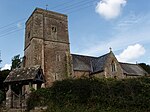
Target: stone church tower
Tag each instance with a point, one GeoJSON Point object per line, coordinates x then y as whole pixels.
{"type": "Point", "coordinates": [47, 44]}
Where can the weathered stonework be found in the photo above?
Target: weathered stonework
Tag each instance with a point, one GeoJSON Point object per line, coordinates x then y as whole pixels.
{"type": "Point", "coordinates": [100, 75]}
{"type": "Point", "coordinates": [79, 74]}
{"type": "Point", "coordinates": [46, 44]}
{"type": "Point", "coordinates": [110, 67]}
{"type": "Point", "coordinates": [47, 59]}
{"type": "Point", "coordinates": [117, 73]}
{"type": "Point", "coordinates": [9, 98]}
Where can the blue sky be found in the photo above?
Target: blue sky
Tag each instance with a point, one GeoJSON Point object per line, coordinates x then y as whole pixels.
{"type": "Point", "coordinates": [94, 27]}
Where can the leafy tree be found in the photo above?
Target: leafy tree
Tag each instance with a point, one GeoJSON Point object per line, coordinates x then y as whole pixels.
{"type": "Point", "coordinates": [16, 60]}
{"type": "Point", "coordinates": [145, 67]}
{"type": "Point", "coordinates": [0, 63]}
{"type": "Point", "coordinates": [3, 75]}
{"type": "Point", "coordinates": [2, 96]}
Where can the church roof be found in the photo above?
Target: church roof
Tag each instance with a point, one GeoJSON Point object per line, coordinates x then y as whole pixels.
{"type": "Point", "coordinates": [98, 64]}
{"type": "Point", "coordinates": [82, 63]}
{"type": "Point", "coordinates": [88, 63]}
{"type": "Point", "coordinates": [133, 69]}
{"type": "Point", "coordinates": [25, 74]}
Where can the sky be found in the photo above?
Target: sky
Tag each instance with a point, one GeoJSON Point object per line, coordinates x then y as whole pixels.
{"type": "Point", "coordinates": [94, 27]}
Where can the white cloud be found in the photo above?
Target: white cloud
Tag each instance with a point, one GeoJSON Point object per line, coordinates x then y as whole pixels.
{"type": "Point", "coordinates": [117, 43]}
{"type": "Point", "coordinates": [133, 33]}
{"type": "Point", "coordinates": [131, 53]}
{"type": "Point", "coordinates": [129, 21]}
{"type": "Point", "coordinates": [6, 66]}
{"type": "Point", "coordinates": [138, 32]}
{"type": "Point", "coordinates": [110, 9]}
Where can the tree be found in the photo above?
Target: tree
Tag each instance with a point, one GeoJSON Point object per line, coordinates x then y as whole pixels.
{"type": "Point", "coordinates": [16, 60]}
{"type": "Point", "coordinates": [3, 86]}
{"type": "Point", "coordinates": [0, 63]}
{"type": "Point", "coordinates": [3, 75]}
{"type": "Point", "coordinates": [2, 96]}
{"type": "Point", "coordinates": [145, 67]}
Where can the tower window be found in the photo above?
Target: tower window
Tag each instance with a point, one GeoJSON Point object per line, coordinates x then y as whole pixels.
{"type": "Point", "coordinates": [56, 76]}
{"type": "Point", "coordinates": [54, 29]}
{"type": "Point", "coordinates": [58, 58]}
{"type": "Point", "coordinates": [54, 32]}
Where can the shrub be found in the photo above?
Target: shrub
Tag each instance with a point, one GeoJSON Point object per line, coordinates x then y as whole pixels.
{"type": "Point", "coordinates": [2, 96]}
{"type": "Point", "coordinates": [89, 95]}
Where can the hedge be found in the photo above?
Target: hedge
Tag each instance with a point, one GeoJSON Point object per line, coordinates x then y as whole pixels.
{"type": "Point", "coordinates": [2, 96]}
{"type": "Point", "coordinates": [89, 95]}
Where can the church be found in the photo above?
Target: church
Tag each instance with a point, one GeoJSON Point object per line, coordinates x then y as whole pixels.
{"type": "Point", "coordinates": [47, 58]}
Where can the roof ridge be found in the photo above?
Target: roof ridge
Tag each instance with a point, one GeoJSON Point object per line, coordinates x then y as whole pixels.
{"type": "Point", "coordinates": [84, 56]}
{"type": "Point", "coordinates": [127, 63]}
{"type": "Point", "coordinates": [91, 56]}
{"type": "Point", "coordinates": [103, 55]}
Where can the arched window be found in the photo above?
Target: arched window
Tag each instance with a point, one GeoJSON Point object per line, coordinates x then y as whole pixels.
{"type": "Point", "coordinates": [113, 66]}
{"type": "Point", "coordinates": [54, 32]}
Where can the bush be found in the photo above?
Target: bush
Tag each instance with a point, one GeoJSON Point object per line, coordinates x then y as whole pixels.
{"type": "Point", "coordinates": [89, 95]}
{"type": "Point", "coordinates": [2, 96]}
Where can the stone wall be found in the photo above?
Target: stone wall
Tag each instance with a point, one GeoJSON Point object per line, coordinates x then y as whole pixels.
{"type": "Point", "coordinates": [46, 44]}
{"type": "Point", "coordinates": [107, 73]}
{"type": "Point", "coordinates": [79, 74]}
{"type": "Point", "coordinates": [118, 72]}
{"type": "Point", "coordinates": [99, 75]}
{"type": "Point", "coordinates": [55, 61]}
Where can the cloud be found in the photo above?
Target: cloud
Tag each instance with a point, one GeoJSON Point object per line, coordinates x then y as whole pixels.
{"type": "Point", "coordinates": [129, 21]}
{"type": "Point", "coordinates": [6, 66]}
{"type": "Point", "coordinates": [138, 32]}
{"type": "Point", "coordinates": [110, 9]}
{"type": "Point", "coordinates": [131, 53]}
{"type": "Point", "coordinates": [117, 43]}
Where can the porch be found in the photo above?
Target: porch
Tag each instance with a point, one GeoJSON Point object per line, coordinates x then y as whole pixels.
{"type": "Point", "coordinates": [21, 82]}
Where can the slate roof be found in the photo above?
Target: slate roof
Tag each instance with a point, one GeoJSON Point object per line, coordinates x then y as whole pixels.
{"type": "Point", "coordinates": [88, 63]}
{"type": "Point", "coordinates": [96, 64]}
{"type": "Point", "coordinates": [133, 69]}
{"type": "Point", "coordinates": [99, 63]}
{"type": "Point", "coordinates": [23, 74]}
